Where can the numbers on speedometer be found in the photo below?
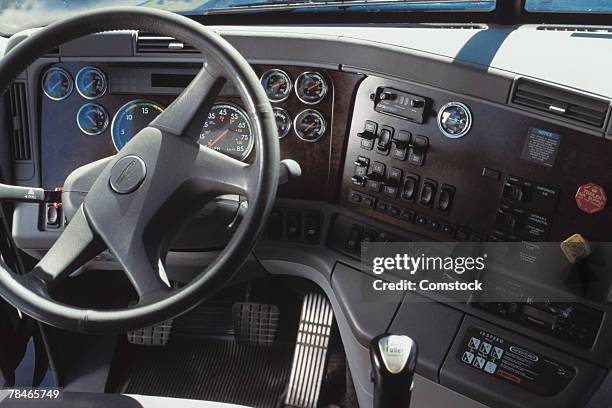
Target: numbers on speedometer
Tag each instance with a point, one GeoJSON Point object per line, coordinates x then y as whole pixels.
{"type": "Point", "coordinates": [228, 130]}
{"type": "Point", "coordinates": [131, 118]}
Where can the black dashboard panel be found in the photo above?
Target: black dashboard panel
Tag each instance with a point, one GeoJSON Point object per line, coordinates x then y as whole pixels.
{"type": "Point", "coordinates": [475, 187]}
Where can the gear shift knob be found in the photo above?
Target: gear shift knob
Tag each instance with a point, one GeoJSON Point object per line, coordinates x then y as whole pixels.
{"type": "Point", "coordinates": [393, 360]}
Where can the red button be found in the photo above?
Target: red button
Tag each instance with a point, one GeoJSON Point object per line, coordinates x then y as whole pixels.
{"type": "Point", "coordinates": [591, 198]}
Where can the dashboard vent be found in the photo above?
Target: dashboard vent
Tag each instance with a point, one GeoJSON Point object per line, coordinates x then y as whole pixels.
{"type": "Point", "coordinates": [152, 43]}
{"type": "Point", "coordinates": [19, 122]}
{"type": "Point", "coordinates": [575, 29]}
{"type": "Point", "coordinates": [561, 103]}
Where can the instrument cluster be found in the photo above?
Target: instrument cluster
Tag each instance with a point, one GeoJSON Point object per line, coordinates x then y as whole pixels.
{"type": "Point", "coordinates": [227, 127]}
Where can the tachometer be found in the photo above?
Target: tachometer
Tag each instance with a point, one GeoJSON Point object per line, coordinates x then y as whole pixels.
{"type": "Point", "coordinates": [228, 130]}
{"type": "Point", "coordinates": [277, 85]}
{"type": "Point", "coordinates": [57, 84]}
{"type": "Point", "coordinates": [311, 87]}
{"type": "Point", "coordinates": [131, 118]}
{"type": "Point", "coordinates": [309, 125]}
{"type": "Point", "coordinates": [92, 119]}
{"type": "Point", "coordinates": [91, 82]}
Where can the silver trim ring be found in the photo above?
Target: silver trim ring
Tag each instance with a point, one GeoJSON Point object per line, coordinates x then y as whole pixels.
{"type": "Point", "coordinates": [106, 121]}
{"type": "Point", "coordinates": [70, 81]}
{"type": "Point", "coordinates": [323, 82]}
{"type": "Point", "coordinates": [468, 124]}
{"type": "Point", "coordinates": [280, 71]}
{"type": "Point", "coordinates": [288, 116]}
{"type": "Point", "coordinates": [100, 72]}
{"type": "Point", "coordinates": [323, 124]}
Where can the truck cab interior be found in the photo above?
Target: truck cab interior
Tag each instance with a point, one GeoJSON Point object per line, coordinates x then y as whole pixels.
{"type": "Point", "coordinates": [189, 189]}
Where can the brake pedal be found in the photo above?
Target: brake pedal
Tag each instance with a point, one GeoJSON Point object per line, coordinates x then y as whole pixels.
{"type": "Point", "coordinates": [255, 323]}
{"type": "Point", "coordinates": [310, 353]}
{"type": "Point", "coordinates": [156, 335]}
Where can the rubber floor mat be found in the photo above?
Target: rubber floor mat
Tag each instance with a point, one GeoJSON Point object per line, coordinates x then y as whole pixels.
{"type": "Point", "coordinates": [211, 369]}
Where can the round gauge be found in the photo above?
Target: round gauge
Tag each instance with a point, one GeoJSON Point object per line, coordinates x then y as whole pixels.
{"type": "Point", "coordinates": [228, 130]}
{"type": "Point", "coordinates": [92, 119]}
{"type": "Point", "coordinates": [277, 85]}
{"type": "Point", "coordinates": [131, 118]}
{"type": "Point", "coordinates": [91, 82]}
{"type": "Point", "coordinates": [454, 120]}
{"type": "Point", "coordinates": [311, 87]}
{"type": "Point", "coordinates": [309, 125]}
{"type": "Point", "coordinates": [57, 84]}
{"type": "Point", "coordinates": [283, 122]}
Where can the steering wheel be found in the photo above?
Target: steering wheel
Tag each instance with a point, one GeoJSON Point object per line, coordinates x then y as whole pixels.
{"type": "Point", "coordinates": [153, 186]}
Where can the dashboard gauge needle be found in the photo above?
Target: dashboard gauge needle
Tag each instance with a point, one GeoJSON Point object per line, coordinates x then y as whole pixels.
{"type": "Point", "coordinates": [218, 138]}
{"type": "Point", "coordinates": [309, 127]}
{"type": "Point", "coordinates": [56, 85]}
{"type": "Point", "coordinates": [90, 84]}
{"type": "Point", "coordinates": [313, 86]}
{"type": "Point", "coordinates": [276, 85]}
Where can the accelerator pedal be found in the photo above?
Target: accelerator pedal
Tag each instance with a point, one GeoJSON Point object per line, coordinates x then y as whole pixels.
{"type": "Point", "coordinates": [156, 335]}
{"type": "Point", "coordinates": [310, 354]}
{"type": "Point", "coordinates": [255, 323]}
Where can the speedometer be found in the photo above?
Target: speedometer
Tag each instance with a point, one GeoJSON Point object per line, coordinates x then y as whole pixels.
{"type": "Point", "coordinates": [131, 118]}
{"type": "Point", "coordinates": [228, 130]}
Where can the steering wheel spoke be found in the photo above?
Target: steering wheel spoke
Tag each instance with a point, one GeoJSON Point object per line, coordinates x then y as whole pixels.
{"type": "Point", "coordinates": [78, 245]}
{"type": "Point", "coordinates": [218, 173]}
{"type": "Point", "coordinates": [146, 274]}
{"type": "Point", "coordinates": [178, 117]}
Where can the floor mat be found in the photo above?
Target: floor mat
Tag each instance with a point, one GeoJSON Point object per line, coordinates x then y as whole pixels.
{"type": "Point", "coordinates": [211, 369]}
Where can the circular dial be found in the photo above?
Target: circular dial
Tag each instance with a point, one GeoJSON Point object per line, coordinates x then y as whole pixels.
{"type": "Point", "coordinates": [131, 118]}
{"type": "Point", "coordinates": [91, 82]}
{"type": "Point", "coordinates": [92, 119]}
{"type": "Point", "coordinates": [454, 120]}
{"type": "Point", "coordinates": [283, 122]}
{"type": "Point", "coordinates": [228, 130]}
{"type": "Point", "coordinates": [57, 84]}
{"type": "Point", "coordinates": [311, 87]}
{"type": "Point", "coordinates": [277, 85]}
{"type": "Point", "coordinates": [309, 125]}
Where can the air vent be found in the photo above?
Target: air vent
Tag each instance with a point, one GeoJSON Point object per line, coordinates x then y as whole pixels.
{"type": "Point", "coordinates": [19, 122]}
{"type": "Point", "coordinates": [561, 103]}
{"type": "Point", "coordinates": [147, 43]}
{"type": "Point", "coordinates": [575, 29]}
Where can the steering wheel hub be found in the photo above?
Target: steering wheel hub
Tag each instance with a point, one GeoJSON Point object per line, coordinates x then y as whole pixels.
{"type": "Point", "coordinates": [127, 174]}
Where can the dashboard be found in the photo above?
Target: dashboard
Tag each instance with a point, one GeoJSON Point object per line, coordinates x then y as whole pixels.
{"type": "Point", "coordinates": [414, 138]}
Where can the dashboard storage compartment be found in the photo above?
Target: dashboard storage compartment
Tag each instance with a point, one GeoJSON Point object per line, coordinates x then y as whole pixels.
{"type": "Point", "coordinates": [432, 325]}
{"type": "Point", "coordinates": [488, 363]}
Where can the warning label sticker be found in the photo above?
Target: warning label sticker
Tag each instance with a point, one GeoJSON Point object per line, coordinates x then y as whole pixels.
{"type": "Point", "coordinates": [541, 147]}
{"type": "Point", "coordinates": [513, 363]}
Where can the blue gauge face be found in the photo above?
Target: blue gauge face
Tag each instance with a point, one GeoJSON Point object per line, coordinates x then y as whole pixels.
{"type": "Point", "coordinates": [91, 82]}
{"type": "Point", "coordinates": [57, 84]}
{"type": "Point", "coordinates": [92, 119]}
{"type": "Point", "coordinates": [131, 118]}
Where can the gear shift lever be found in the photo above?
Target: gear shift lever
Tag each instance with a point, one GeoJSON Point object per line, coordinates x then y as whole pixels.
{"type": "Point", "coordinates": [393, 360]}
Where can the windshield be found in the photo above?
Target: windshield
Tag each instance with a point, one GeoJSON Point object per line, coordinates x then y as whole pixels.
{"type": "Point", "coordinates": [569, 6]}
{"type": "Point", "coordinates": [17, 15]}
